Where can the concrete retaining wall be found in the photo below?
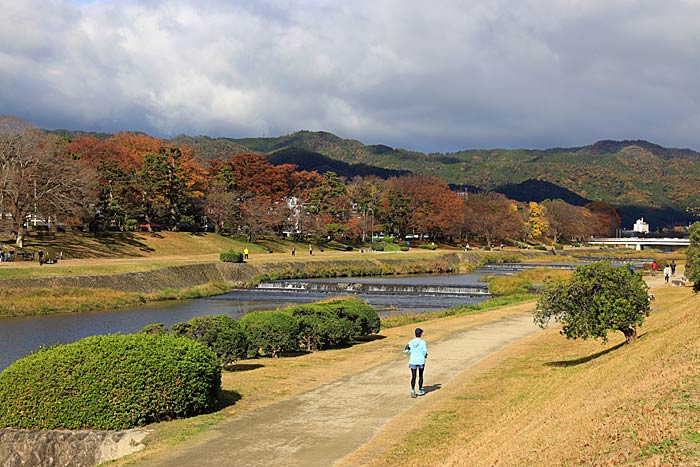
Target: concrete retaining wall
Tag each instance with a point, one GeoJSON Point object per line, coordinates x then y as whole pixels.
{"type": "Point", "coordinates": [181, 277]}
{"type": "Point", "coordinates": [62, 448]}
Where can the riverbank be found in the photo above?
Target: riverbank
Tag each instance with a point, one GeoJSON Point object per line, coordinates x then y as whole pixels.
{"type": "Point", "coordinates": [69, 290]}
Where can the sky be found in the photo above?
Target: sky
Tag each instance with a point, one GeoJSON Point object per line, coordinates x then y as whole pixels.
{"type": "Point", "coordinates": [434, 76]}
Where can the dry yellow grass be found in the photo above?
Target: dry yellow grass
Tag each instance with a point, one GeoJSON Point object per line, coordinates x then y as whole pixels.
{"type": "Point", "coordinates": [546, 401]}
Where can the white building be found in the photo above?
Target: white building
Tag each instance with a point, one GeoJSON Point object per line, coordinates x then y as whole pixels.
{"type": "Point", "coordinates": [640, 226]}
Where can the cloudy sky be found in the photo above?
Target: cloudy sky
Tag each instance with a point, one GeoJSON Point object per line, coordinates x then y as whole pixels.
{"type": "Point", "coordinates": [456, 74]}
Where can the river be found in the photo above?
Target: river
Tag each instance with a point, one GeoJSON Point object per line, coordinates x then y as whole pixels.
{"type": "Point", "coordinates": [388, 294]}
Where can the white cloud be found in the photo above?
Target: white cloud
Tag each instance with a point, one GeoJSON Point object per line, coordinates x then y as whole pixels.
{"type": "Point", "coordinates": [457, 74]}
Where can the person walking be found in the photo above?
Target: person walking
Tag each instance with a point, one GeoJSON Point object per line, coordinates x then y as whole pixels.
{"type": "Point", "coordinates": [41, 257]}
{"type": "Point", "coordinates": [294, 251]}
{"type": "Point", "coordinates": [245, 253]}
{"type": "Point", "coordinates": [311, 250]}
{"type": "Point", "coordinates": [417, 349]}
{"type": "Point", "coordinates": [667, 273]}
{"type": "Point", "coordinates": [654, 267]}
{"type": "Point", "coordinates": [673, 267]}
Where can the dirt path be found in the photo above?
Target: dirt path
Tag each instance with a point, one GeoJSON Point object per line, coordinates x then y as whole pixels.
{"type": "Point", "coordinates": [319, 427]}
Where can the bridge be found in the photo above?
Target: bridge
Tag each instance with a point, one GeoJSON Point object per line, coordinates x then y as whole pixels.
{"type": "Point", "coordinates": [639, 243]}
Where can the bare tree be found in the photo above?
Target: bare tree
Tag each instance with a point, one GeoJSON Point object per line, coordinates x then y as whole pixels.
{"type": "Point", "coordinates": [36, 177]}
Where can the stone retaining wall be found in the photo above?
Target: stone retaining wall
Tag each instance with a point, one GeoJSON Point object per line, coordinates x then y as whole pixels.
{"type": "Point", "coordinates": [63, 448]}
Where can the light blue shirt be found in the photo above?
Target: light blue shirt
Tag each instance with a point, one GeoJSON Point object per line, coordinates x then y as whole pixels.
{"type": "Point", "coordinates": [417, 350]}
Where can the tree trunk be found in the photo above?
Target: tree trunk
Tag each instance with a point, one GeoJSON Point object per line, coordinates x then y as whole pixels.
{"type": "Point", "coordinates": [630, 334]}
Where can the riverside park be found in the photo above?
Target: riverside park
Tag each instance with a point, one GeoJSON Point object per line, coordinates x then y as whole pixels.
{"type": "Point", "coordinates": [499, 389]}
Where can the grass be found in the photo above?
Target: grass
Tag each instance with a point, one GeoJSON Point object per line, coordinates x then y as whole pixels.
{"type": "Point", "coordinates": [551, 401]}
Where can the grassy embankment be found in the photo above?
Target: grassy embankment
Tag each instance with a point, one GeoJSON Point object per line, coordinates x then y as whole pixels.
{"type": "Point", "coordinates": [550, 401]}
{"type": "Point", "coordinates": [141, 252]}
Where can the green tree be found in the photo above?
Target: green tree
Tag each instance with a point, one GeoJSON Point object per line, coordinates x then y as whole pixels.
{"type": "Point", "coordinates": [599, 297]}
{"type": "Point", "coordinates": [692, 255]}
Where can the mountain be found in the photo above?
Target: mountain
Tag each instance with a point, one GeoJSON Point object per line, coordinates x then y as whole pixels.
{"type": "Point", "coordinates": [638, 177]}
{"type": "Point", "coordinates": [314, 161]}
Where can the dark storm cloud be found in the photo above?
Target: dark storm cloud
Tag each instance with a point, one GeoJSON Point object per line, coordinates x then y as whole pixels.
{"type": "Point", "coordinates": [488, 73]}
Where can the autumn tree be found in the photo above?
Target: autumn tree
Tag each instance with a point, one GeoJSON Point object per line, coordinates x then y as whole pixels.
{"type": "Point", "coordinates": [566, 220]}
{"type": "Point", "coordinates": [606, 218]}
{"type": "Point", "coordinates": [36, 175]}
{"type": "Point", "coordinates": [431, 204]}
{"type": "Point", "coordinates": [491, 217]}
{"type": "Point", "coordinates": [169, 182]}
{"type": "Point", "coordinates": [537, 224]}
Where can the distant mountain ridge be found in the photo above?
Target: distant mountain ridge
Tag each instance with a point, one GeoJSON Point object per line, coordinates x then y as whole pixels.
{"type": "Point", "coordinates": [637, 176]}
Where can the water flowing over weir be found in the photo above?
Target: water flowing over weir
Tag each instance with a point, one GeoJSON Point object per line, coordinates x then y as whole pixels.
{"type": "Point", "coordinates": [354, 287]}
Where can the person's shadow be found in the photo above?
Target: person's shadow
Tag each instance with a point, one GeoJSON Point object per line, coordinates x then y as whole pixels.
{"type": "Point", "coordinates": [432, 387]}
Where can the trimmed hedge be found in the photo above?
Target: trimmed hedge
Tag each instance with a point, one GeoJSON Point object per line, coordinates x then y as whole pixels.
{"type": "Point", "coordinates": [364, 318]}
{"type": "Point", "coordinates": [377, 247]}
{"type": "Point", "coordinates": [110, 383]}
{"type": "Point", "coordinates": [320, 328]}
{"type": "Point", "coordinates": [222, 334]}
{"type": "Point", "coordinates": [231, 256]}
{"type": "Point", "coordinates": [270, 332]}
{"type": "Point", "coordinates": [330, 323]}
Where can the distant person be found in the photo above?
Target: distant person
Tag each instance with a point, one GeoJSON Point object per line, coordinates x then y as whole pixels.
{"type": "Point", "coordinates": [294, 251]}
{"type": "Point", "coordinates": [311, 250]}
{"type": "Point", "coordinates": [466, 247]}
{"type": "Point", "coordinates": [417, 350]}
{"type": "Point", "coordinates": [245, 253]}
{"type": "Point", "coordinates": [654, 267]}
{"type": "Point", "coordinates": [667, 273]}
{"type": "Point", "coordinates": [673, 267]}
{"type": "Point", "coordinates": [40, 254]}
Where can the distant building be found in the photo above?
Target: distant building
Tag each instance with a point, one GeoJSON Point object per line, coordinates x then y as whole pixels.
{"type": "Point", "coordinates": [640, 226]}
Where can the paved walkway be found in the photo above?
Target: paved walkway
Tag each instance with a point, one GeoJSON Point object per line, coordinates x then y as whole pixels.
{"type": "Point", "coordinates": [319, 427]}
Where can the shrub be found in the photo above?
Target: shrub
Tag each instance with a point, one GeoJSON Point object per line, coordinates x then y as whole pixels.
{"type": "Point", "coordinates": [540, 247]}
{"type": "Point", "coordinates": [156, 328]}
{"type": "Point", "coordinates": [222, 334]}
{"type": "Point", "coordinates": [558, 246]}
{"type": "Point", "coordinates": [404, 248]}
{"type": "Point", "coordinates": [231, 256]}
{"type": "Point", "coordinates": [270, 332]}
{"type": "Point", "coordinates": [320, 328]}
{"type": "Point", "coordinates": [109, 382]}
{"type": "Point", "coordinates": [363, 317]}
{"type": "Point", "coordinates": [377, 247]}
{"type": "Point", "coordinates": [429, 246]}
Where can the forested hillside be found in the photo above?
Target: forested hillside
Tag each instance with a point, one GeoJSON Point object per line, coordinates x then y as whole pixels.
{"type": "Point", "coordinates": [638, 177]}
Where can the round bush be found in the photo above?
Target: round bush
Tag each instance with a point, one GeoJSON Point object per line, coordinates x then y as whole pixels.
{"type": "Point", "coordinates": [222, 334]}
{"type": "Point", "coordinates": [231, 256]}
{"type": "Point", "coordinates": [110, 383]}
{"type": "Point", "coordinates": [270, 332]}
{"type": "Point", "coordinates": [320, 328]}
{"type": "Point", "coordinates": [363, 317]}
{"type": "Point", "coordinates": [377, 247]}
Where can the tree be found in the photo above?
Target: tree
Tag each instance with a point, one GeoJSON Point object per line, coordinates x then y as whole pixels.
{"type": "Point", "coordinates": [491, 216]}
{"type": "Point", "coordinates": [36, 175]}
{"type": "Point", "coordinates": [599, 297]}
{"type": "Point", "coordinates": [607, 218]}
{"type": "Point", "coordinates": [537, 225]}
{"type": "Point", "coordinates": [692, 255]}
{"type": "Point", "coordinates": [566, 220]}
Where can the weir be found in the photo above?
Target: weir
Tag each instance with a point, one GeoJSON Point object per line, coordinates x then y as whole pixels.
{"type": "Point", "coordinates": [373, 288]}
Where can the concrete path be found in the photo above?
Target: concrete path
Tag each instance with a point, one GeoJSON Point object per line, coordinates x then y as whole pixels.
{"type": "Point", "coordinates": [319, 427]}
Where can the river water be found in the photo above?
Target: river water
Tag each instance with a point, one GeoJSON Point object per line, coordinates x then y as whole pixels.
{"type": "Point", "coordinates": [389, 295]}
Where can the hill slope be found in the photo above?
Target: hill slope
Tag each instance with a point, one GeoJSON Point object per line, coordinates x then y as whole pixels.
{"type": "Point", "coordinates": [639, 177]}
